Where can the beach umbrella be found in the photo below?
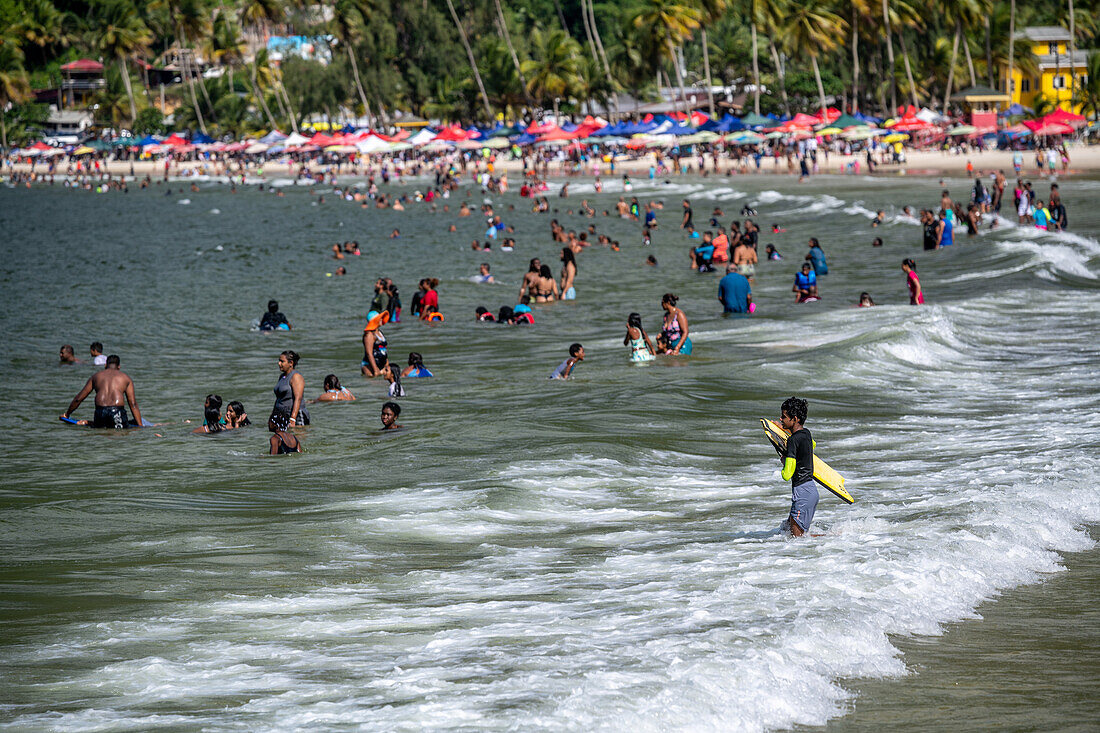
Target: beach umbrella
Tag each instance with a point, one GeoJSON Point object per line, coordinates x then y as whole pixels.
{"type": "Point", "coordinates": [830, 130]}
{"type": "Point", "coordinates": [706, 136]}
{"type": "Point", "coordinates": [845, 121]}
{"type": "Point", "coordinates": [895, 137]}
{"type": "Point", "coordinates": [775, 135]}
{"type": "Point", "coordinates": [399, 146]}
{"type": "Point", "coordinates": [256, 148]}
{"type": "Point", "coordinates": [496, 143]}
{"type": "Point", "coordinates": [859, 133]}
{"type": "Point", "coordinates": [83, 150]}
{"type": "Point", "coordinates": [962, 130]}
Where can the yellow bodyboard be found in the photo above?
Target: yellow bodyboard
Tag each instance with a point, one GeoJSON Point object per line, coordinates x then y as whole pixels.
{"type": "Point", "coordinates": [823, 472]}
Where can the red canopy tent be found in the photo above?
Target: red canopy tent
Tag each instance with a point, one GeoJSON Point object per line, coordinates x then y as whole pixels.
{"type": "Point", "coordinates": [910, 123]}
{"type": "Point", "coordinates": [829, 114]}
{"type": "Point", "coordinates": [804, 120]}
{"type": "Point", "coordinates": [1062, 117]}
{"type": "Point", "coordinates": [175, 141]}
{"type": "Point", "coordinates": [320, 139]}
{"type": "Point", "coordinates": [1043, 127]}
{"type": "Point", "coordinates": [557, 134]}
{"type": "Point", "coordinates": [541, 129]}
{"type": "Point", "coordinates": [452, 134]}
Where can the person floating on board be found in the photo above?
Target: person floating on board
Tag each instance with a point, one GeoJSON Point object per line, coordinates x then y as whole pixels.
{"type": "Point", "coordinates": [113, 388]}
{"type": "Point", "coordinates": [798, 466]}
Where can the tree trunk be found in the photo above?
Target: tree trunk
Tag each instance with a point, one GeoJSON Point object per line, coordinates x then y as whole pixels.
{"type": "Point", "coordinates": [989, 53]}
{"type": "Point", "coordinates": [512, 50]}
{"type": "Point", "coordinates": [706, 70]}
{"type": "Point", "coordinates": [890, 55]}
{"type": "Point", "coordinates": [260, 98]}
{"type": "Point", "coordinates": [855, 62]}
{"type": "Point", "coordinates": [1011, 51]}
{"type": "Point", "coordinates": [129, 88]}
{"type": "Point", "coordinates": [908, 70]}
{"type": "Point", "coordinates": [190, 79]}
{"type": "Point", "coordinates": [603, 54]}
{"type": "Point", "coordinates": [679, 72]}
{"type": "Point", "coordinates": [755, 72]}
{"type": "Point", "coordinates": [951, 70]}
{"type": "Point", "coordinates": [782, 78]}
{"type": "Point", "coordinates": [3, 130]}
{"type": "Point", "coordinates": [1072, 49]}
{"type": "Point", "coordinates": [473, 62]}
{"type": "Point", "coordinates": [820, 86]}
{"type": "Point", "coordinates": [289, 107]}
{"type": "Point", "coordinates": [561, 17]}
{"type": "Point", "coordinates": [358, 82]}
{"type": "Point", "coordinates": [588, 31]}
{"type": "Point", "coordinates": [970, 62]}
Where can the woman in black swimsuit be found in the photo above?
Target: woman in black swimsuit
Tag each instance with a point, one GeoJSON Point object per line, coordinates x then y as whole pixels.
{"type": "Point", "coordinates": [546, 287]}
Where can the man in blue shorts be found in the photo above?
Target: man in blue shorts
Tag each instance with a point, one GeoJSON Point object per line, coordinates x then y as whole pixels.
{"type": "Point", "coordinates": [798, 466]}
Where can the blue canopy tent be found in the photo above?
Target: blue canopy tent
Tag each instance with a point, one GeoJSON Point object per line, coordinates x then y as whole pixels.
{"type": "Point", "coordinates": [729, 123]}
{"type": "Point", "coordinates": [1016, 109]}
{"type": "Point", "coordinates": [199, 139]}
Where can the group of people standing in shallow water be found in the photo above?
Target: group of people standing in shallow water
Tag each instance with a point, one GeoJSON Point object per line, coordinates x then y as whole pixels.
{"type": "Point", "coordinates": [114, 390]}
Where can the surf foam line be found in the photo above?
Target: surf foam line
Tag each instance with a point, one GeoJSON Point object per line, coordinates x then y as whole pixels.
{"type": "Point", "coordinates": [702, 624]}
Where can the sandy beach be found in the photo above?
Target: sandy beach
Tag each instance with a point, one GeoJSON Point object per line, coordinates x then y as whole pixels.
{"type": "Point", "coordinates": [1084, 160]}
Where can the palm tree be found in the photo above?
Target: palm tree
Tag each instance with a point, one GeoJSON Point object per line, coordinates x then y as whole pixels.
{"type": "Point", "coordinates": [225, 44]}
{"type": "Point", "coordinates": [673, 22]}
{"type": "Point", "coordinates": [812, 27]}
{"type": "Point", "coordinates": [504, 34]}
{"type": "Point", "coordinates": [15, 87]}
{"type": "Point", "coordinates": [349, 18]}
{"type": "Point", "coordinates": [553, 72]}
{"type": "Point", "coordinates": [263, 13]}
{"type": "Point", "coordinates": [860, 11]}
{"type": "Point", "coordinates": [187, 18]}
{"type": "Point", "coordinates": [473, 62]}
{"type": "Point", "coordinates": [960, 12]}
{"type": "Point", "coordinates": [606, 64]}
{"type": "Point", "coordinates": [1088, 94]}
{"type": "Point", "coordinates": [711, 11]}
{"type": "Point", "coordinates": [890, 55]}
{"type": "Point", "coordinates": [120, 34]}
{"type": "Point", "coordinates": [258, 65]}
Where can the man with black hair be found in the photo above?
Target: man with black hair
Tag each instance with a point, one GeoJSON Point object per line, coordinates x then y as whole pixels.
{"type": "Point", "coordinates": [273, 319]}
{"type": "Point", "coordinates": [112, 386]}
{"type": "Point", "coordinates": [798, 466]}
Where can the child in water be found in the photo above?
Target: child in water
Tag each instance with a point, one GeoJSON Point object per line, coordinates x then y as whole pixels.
{"type": "Point", "coordinates": [576, 354]}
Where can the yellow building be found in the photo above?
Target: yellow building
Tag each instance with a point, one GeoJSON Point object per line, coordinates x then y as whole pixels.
{"type": "Point", "coordinates": [1050, 45]}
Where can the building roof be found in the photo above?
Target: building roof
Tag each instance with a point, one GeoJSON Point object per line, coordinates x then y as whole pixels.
{"type": "Point", "coordinates": [979, 94]}
{"type": "Point", "coordinates": [1041, 33]}
{"type": "Point", "coordinates": [68, 117]}
{"type": "Point", "coordinates": [82, 65]}
{"type": "Point", "coordinates": [1063, 60]}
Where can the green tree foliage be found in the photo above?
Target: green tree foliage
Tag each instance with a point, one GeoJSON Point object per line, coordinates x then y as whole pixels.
{"type": "Point", "coordinates": [418, 56]}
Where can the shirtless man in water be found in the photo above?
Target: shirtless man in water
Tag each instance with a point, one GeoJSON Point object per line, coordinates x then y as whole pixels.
{"type": "Point", "coordinates": [744, 257]}
{"type": "Point", "coordinates": [112, 386]}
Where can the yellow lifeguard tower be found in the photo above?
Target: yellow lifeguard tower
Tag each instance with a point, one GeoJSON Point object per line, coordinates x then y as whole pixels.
{"type": "Point", "coordinates": [1059, 70]}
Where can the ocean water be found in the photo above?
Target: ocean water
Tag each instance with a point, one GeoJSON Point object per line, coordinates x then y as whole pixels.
{"type": "Point", "coordinates": [597, 554]}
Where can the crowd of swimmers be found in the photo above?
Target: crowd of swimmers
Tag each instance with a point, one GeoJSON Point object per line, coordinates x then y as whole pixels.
{"type": "Point", "coordinates": [733, 250]}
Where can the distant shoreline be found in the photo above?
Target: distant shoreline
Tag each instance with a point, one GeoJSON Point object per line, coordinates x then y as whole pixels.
{"type": "Point", "coordinates": [921, 163]}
